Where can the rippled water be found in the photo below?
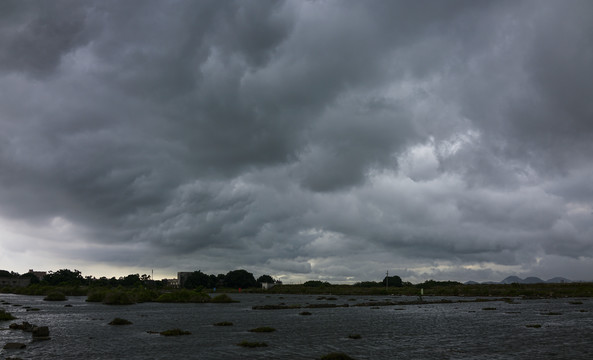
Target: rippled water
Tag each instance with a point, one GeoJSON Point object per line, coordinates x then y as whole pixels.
{"type": "Point", "coordinates": [437, 331]}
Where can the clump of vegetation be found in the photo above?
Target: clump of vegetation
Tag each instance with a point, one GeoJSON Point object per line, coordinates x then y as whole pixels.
{"type": "Point", "coordinates": [33, 309]}
{"type": "Point", "coordinates": [55, 296]}
{"type": "Point", "coordinates": [263, 329]}
{"type": "Point", "coordinates": [174, 332]}
{"type": "Point", "coordinates": [576, 303]}
{"type": "Point", "coordinates": [223, 323]}
{"type": "Point", "coordinates": [222, 298]}
{"type": "Point", "coordinates": [536, 326]}
{"type": "Point", "coordinates": [184, 296]}
{"type": "Point", "coordinates": [275, 307]}
{"type": "Point", "coordinates": [117, 297]}
{"type": "Point", "coordinates": [336, 356]}
{"type": "Point", "coordinates": [305, 313]}
{"type": "Point", "coordinates": [252, 344]}
{"type": "Point", "coordinates": [5, 316]}
{"type": "Point", "coordinates": [96, 295]}
{"type": "Point", "coordinates": [489, 308]}
{"type": "Point", "coordinates": [354, 336]}
{"type": "Point", "coordinates": [120, 321]}
{"type": "Point", "coordinates": [552, 313]}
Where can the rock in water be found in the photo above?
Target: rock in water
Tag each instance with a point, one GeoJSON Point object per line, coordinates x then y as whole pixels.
{"type": "Point", "coordinates": [11, 346]}
{"type": "Point", "coordinates": [41, 332]}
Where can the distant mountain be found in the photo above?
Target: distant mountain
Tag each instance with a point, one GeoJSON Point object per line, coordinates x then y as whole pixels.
{"type": "Point", "coordinates": [528, 280]}
{"type": "Point", "coordinates": [512, 280]}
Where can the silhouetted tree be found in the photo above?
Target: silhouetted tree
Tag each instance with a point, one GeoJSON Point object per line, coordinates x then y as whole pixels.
{"type": "Point", "coordinates": [394, 281]}
{"type": "Point", "coordinates": [63, 277]}
{"type": "Point", "coordinates": [5, 273]}
{"type": "Point", "coordinates": [264, 279]}
{"type": "Point", "coordinates": [196, 279]}
{"type": "Point", "coordinates": [130, 280]}
{"type": "Point", "coordinates": [240, 279]}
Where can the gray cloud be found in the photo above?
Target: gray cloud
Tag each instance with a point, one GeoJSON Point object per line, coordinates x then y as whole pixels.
{"type": "Point", "coordinates": [301, 139]}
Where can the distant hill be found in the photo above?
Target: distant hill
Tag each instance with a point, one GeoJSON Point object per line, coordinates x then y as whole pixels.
{"type": "Point", "coordinates": [528, 280]}
{"type": "Point", "coordinates": [512, 280]}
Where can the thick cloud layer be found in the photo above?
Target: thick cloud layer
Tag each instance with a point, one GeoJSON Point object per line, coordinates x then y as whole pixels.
{"type": "Point", "coordinates": [306, 140]}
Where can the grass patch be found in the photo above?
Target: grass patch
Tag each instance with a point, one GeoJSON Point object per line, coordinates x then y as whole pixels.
{"type": "Point", "coordinates": [33, 309]}
{"type": "Point", "coordinates": [184, 296]}
{"type": "Point", "coordinates": [263, 329]}
{"type": "Point", "coordinates": [552, 313]}
{"type": "Point", "coordinates": [5, 316]}
{"type": "Point", "coordinates": [120, 321]}
{"type": "Point", "coordinates": [174, 332]}
{"type": "Point", "coordinates": [305, 313]}
{"type": "Point", "coordinates": [354, 336]}
{"type": "Point", "coordinates": [576, 303]}
{"type": "Point", "coordinates": [117, 297]}
{"type": "Point", "coordinates": [252, 344]}
{"type": "Point", "coordinates": [535, 326]}
{"type": "Point", "coordinates": [223, 323]}
{"type": "Point", "coordinates": [489, 308]}
{"type": "Point", "coordinates": [55, 296]}
{"type": "Point", "coordinates": [336, 356]}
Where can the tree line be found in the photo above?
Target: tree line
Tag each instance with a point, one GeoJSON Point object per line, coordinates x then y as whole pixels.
{"type": "Point", "coordinates": [66, 277]}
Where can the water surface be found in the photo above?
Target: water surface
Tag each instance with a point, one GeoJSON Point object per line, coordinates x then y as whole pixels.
{"type": "Point", "coordinates": [430, 331]}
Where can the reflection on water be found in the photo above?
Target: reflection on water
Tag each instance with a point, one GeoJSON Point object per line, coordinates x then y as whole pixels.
{"type": "Point", "coordinates": [437, 331]}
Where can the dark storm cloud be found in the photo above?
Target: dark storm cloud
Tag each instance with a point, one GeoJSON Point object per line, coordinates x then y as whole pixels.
{"type": "Point", "coordinates": [320, 139]}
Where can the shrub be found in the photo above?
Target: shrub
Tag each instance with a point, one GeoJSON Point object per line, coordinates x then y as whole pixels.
{"type": "Point", "coordinates": [174, 332]}
{"type": "Point", "coordinates": [117, 297]}
{"type": "Point", "coordinates": [536, 326]}
{"type": "Point", "coordinates": [120, 321]}
{"type": "Point", "coordinates": [4, 316]}
{"type": "Point", "coordinates": [184, 296]}
{"type": "Point", "coordinates": [354, 336]}
{"type": "Point", "coordinates": [96, 295]}
{"type": "Point", "coordinates": [55, 296]}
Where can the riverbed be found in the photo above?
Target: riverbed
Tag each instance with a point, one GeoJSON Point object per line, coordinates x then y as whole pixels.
{"type": "Point", "coordinates": [520, 329]}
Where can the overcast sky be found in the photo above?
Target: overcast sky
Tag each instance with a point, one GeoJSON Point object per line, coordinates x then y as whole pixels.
{"type": "Point", "coordinates": [331, 140]}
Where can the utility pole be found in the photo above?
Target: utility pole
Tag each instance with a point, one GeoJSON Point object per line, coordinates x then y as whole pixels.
{"type": "Point", "coordinates": [387, 280]}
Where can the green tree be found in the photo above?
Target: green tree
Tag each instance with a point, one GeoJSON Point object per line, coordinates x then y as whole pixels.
{"type": "Point", "coordinates": [239, 279]}
{"type": "Point", "coordinates": [130, 280]}
{"type": "Point", "coordinates": [5, 273]}
{"type": "Point", "coordinates": [63, 277]}
{"type": "Point", "coordinates": [394, 281]}
{"type": "Point", "coordinates": [265, 279]}
{"type": "Point", "coordinates": [197, 279]}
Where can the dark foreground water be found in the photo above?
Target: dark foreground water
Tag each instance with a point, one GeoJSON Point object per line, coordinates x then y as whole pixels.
{"type": "Point", "coordinates": [437, 331]}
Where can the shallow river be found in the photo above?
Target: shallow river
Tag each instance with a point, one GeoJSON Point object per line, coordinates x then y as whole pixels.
{"type": "Point", "coordinates": [430, 331]}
